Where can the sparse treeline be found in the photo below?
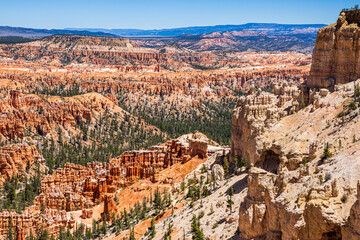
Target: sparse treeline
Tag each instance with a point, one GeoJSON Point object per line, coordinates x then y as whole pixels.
{"type": "Point", "coordinates": [60, 90]}
{"type": "Point", "coordinates": [107, 138]}
{"type": "Point", "coordinates": [210, 117]}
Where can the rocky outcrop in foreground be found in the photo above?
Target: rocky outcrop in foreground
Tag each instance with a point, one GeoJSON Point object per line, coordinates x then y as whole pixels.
{"type": "Point", "coordinates": [336, 55]}
{"type": "Point", "coordinates": [304, 168]}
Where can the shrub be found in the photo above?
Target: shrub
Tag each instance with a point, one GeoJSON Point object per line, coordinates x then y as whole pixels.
{"type": "Point", "coordinates": [321, 179]}
{"type": "Point", "coordinates": [201, 214]}
{"type": "Point", "coordinates": [344, 198]}
{"type": "Point", "coordinates": [352, 106]}
{"type": "Point", "coordinates": [327, 154]}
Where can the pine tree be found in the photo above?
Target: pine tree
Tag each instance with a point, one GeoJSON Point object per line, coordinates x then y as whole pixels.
{"type": "Point", "coordinates": [132, 234]}
{"type": "Point", "coordinates": [230, 202]}
{"type": "Point", "coordinates": [152, 228]}
{"type": "Point", "coordinates": [104, 227]}
{"type": "Point", "coordinates": [157, 199]}
{"type": "Point", "coordinates": [235, 160]}
{"type": "Point", "coordinates": [168, 232]}
{"type": "Point", "coordinates": [226, 166]}
{"type": "Point", "coordinates": [327, 154]}
{"type": "Point", "coordinates": [196, 232]}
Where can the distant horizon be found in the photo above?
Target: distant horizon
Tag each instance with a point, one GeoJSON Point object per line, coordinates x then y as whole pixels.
{"type": "Point", "coordinates": [194, 26]}
{"type": "Point", "coordinates": [161, 14]}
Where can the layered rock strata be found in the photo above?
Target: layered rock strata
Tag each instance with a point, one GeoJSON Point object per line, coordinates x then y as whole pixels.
{"type": "Point", "coordinates": [336, 54]}
{"type": "Point", "coordinates": [293, 191]}
{"type": "Point", "coordinates": [258, 111]}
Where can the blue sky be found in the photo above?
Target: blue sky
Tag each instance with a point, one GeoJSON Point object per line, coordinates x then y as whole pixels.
{"type": "Point", "coordinates": [154, 14]}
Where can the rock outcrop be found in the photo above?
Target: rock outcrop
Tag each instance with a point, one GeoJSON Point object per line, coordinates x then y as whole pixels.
{"type": "Point", "coordinates": [256, 112]}
{"type": "Point", "coordinates": [336, 55]}
{"type": "Point", "coordinates": [351, 230]}
{"type": "Point", "coordinates": [293, 191]}
{"type": "Point", "coordinates": [76, 187]}
{"type": "Point", "coordinates": [147, 163]}
{"type": "Point", "coordinates": [109, 207]}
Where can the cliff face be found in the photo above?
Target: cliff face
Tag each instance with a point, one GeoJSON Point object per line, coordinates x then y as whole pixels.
{"type": "Point", "coordinates": [293, 192]}
{"type": "Point", "coordinates": [336, 57]}
{"type": "Point", "coordinates": [255, 113]}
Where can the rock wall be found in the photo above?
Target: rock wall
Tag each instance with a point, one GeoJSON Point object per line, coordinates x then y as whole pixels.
{"type": "Point", "coordinates": [256, 112]}
{"type": "Point", "coordinates": [335, 57]}
{"type": "Point", "coordinates": [23, 111]}
{"type": "Point", "coordinates": [293, 192]}
{"type": "Point", "coordinates": [76, 187]}
{"type": "Point", "coordinates": [146, 163]}
{"type": "Point", "coordinates": [351, 230]}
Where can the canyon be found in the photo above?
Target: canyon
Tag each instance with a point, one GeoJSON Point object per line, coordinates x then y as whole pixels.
{"type": "Point", "coordinates": [115, 138]}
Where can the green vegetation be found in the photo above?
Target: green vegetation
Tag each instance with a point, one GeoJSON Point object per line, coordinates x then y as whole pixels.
{"type": "Point", "coordinates": [19, 192]}
{"type": "Point", "coordinates": [196, 231]}
{"type": "Point", "coordinates": [226, 166]}
{"type": "Point", "coordinates": [107, 138]}
{"type": "Point", "coordinates": [211, 118]}
{"type": "Point", "coordinates": [321, 179]}
{"type": "Point", "coordinates": [327, 154]}
{"type": "Point", "coordinates": [230, 201]}
{"type": "Point", "coordinates": [344, 198]}
{"type": "Point", "coordinates": [60, 90]}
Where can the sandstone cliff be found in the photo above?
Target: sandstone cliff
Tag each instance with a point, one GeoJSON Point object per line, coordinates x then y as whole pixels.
{"type": "Point", "coordinates": [336, 55]}
{"type": "Point", "coordinates": [293, 191]}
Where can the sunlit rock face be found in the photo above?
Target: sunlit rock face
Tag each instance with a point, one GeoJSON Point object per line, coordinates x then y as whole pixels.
{"type": "Point", "coordinates": [336, 55]}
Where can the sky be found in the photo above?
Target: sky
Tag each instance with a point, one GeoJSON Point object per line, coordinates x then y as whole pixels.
{"type": "Point", "coordinates": [157, 14]}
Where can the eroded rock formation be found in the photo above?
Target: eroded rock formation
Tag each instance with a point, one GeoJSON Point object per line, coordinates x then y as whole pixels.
{"type": "Point", "coordinates": [16, 158]}
{"type": "Point", "coordinates": [294, 192]}
{"type": "Point", "coordinates": [336, 55]}
{"type": "Point", "coordinates": [256, 112]}
{"type": "Point", "coordinates": [31, 222]}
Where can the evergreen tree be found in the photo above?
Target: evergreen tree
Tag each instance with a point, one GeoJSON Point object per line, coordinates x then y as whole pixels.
{"type": "Point", "coordinates": [168, 232]}
{"type": "Point", "coordinates": [230, 201]}
{"type": "Point", "coordinates": [226, 166]}
{"type": "Point", "coordinates": [196, 232]}
{"type": "Point", "coordinates": [104, 227]}
{"type": "Point", "coordinates": [235, 160]}
{"type": "Point", "coordinates": [152, 228]}
{"type": "Point", "coordinates": [132, 234]}
{"type": "Point", "coordinates": [327, 154]}
{"type": "Point", "coordinates": [157, 199]}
